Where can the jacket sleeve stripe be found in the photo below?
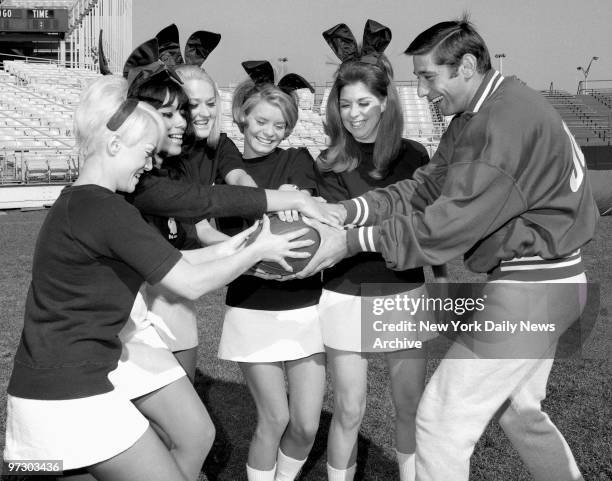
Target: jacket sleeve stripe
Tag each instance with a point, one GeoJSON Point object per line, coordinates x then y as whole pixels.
{"type": "Point", "coordinates": [366, 239]}
{"type": "Point", "coordinates": [363, 211]}
{"type": "Point", "coordinates": [362, 239]}
{"type": "Point", "coordinates": [357, 211]}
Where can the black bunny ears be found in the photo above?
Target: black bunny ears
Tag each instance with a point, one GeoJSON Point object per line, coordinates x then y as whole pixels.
{"type": "Point", "coordinates": [197, 49]}
{"type": "Point", "coordinates": [102, 62]}
{"type": "Point", "coordinates": [261, 72]}
{"type": "Point", "coordinates": [159, 55]}
{"type": "Point", "coordinates": [144, 65]}
{"type": "Point", "coordinates": [376, 38]}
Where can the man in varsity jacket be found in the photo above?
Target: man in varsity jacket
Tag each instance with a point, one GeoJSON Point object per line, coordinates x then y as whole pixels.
{"type": "Point", "coordinates": [507, 189]}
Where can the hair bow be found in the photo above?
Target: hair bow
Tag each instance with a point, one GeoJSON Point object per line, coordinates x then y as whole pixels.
{"type": "Point", "coordinates": [376, 38]}
{"type": "Point", "coordinates": [261, 72]}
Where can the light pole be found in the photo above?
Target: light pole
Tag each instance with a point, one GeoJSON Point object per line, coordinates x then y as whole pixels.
{"type": "Point", "coordinates": [500, 57]}
{"type": "Point", "coordinates": [586, 71]}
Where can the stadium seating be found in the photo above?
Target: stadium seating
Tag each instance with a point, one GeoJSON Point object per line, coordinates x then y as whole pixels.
{"type": "Point", "coordinates": [36, 141]}
{"type": "Point", "coordinates": [602, 95]}
{"type": "Point", "coordinates": [37, 102]}
{"type": "Point", "coordinates": [422, 121]}
{"type": "Point", "coordinates": [587, 126]}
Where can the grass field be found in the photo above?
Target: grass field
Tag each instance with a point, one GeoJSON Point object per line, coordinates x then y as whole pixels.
{"type": "Point", "coordinates": [579, 391]}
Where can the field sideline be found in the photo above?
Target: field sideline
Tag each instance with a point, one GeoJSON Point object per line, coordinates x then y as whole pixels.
{"type": "Point", "coordinates": [579, 391]}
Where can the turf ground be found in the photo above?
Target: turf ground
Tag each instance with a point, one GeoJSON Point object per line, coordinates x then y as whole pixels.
{"type": "Point", "coordinates": [579, 390]}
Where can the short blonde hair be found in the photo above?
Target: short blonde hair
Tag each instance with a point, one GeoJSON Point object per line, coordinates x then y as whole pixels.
{"type": "Point", "coordinates": [193, 72]}
{"type": "Point", "coordinates": [99, 101]}
{"type": "Point", "coordinates": [248, 94]}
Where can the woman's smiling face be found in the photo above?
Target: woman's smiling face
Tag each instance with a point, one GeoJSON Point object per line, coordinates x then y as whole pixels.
{"type": "Point", "coordinates": [264, 130]}
{"type": "Point", "coordinates": [360, 111]}
{"type": "Point", "coordinates": [175, 127]}
{"type": "Point", "coordinates": [203, 105]}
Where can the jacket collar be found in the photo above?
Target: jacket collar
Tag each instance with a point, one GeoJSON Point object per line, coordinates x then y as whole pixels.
{"type": "Point", "coordinates": [490, 83]}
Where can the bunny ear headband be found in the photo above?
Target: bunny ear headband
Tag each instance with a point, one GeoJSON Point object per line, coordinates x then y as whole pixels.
{"type": "Point", "coordinates": [261, 72]}
{"type": "Point", "coordinates": [199, 46]}
{"type": "Point", "coordinates": [158, 56]}
{"type": "Point", "coordinates": [144, 64]}
{"type": "Point", "coordinates": [376, 38]}
{"type": "Point", "coordinates": [102, 62]}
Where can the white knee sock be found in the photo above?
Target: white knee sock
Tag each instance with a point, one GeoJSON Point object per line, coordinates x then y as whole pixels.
{"type": "Point", "coordinates": [347, 474]}
{"type": "Point", "coordinates": [407, 466]}
{"type": "Point", "coordinates": [256, 475]}
{"type": "Point", "coordinates": [287, 468]}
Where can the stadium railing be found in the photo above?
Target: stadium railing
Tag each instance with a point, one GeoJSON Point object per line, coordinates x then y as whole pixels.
{"type": "Point", "coordinates": [603, 95]}
{"type": "Point", "coordinates": [585, 124]}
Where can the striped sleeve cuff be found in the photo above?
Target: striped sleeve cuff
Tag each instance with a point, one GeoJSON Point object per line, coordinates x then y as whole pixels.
{"type": "Point", "coordinates": [357, 211]}
{"type": "Point", "coordinates": [362, 239]}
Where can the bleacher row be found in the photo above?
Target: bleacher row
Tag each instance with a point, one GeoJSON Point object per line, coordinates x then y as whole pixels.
{"type": "Point", "coordinates": [602, 95]}
{"type": "Point", "coordinates": [36, 141]}
{"type": "Point", "coordinates": [37, 102]}
{"type": "Point", "coordinates": [588, 120]}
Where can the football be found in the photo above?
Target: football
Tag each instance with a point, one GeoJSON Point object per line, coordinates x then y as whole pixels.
{"type": "Point", "coordinates": [278, 226]}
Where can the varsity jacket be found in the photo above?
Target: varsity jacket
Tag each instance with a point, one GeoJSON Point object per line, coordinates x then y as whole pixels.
{"type": "Point", "coordinates": [507, 182]}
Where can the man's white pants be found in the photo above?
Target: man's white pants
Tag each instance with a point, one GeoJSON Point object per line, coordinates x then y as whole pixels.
{"type": "Point", "coordinates": [467, 390]}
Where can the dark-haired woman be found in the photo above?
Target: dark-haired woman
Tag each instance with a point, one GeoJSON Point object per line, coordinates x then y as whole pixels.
{"type": "Point", "coordinates": [193, 148]}
{"type": "Point", "coordinates": [366, 150]}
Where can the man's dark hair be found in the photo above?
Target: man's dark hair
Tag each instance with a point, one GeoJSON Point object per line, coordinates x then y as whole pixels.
{"type": "Point", "coordinates": [449, 42]}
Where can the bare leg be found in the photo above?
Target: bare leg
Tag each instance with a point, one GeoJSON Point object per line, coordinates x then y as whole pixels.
{"type": "Point", "coordinates": [188, 360]}
{"type": "Point", "coordinates": [179, 412]}
{"type": "Point", "coordinates": [147, 460]}
{"type": "Point", "coordinates": [306, 389]}
{"type": "Point", "coordinates": [349, 377]}
{"type": "Point", "coordinates": [78, 476]}
{"type": "Point", "coordinates": [266, 381]}
{"type": "Point", "coordinates": [407, 371]}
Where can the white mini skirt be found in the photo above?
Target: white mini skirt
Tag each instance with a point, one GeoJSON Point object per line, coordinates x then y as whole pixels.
{"type": "Point", "coordinates": [179, 328]}
{"type": "Point", "coordinates": [342, 327]}
{"type": "Point", "coordinates": [251, 335]}
{"type": "Point", "coordinates": [78, 432]}
{"type": "Point", "coordinates": [146, 363]}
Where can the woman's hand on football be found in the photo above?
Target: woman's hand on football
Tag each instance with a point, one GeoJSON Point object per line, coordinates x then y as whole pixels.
{"type": "Point", "coordinates": [275, 248]}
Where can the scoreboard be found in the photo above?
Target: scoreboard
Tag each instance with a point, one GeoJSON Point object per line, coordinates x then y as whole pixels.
{"type": "Point", "coordinates": [34, 20]}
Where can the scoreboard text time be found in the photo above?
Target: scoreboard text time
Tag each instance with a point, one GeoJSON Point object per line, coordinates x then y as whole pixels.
{"type": "Point", "coordinates": [33, 20]}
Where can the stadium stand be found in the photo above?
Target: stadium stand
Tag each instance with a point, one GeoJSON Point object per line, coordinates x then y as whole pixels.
{"type": "Point", "coordinates": [604, 96]}
{"type": "Point", "coordinates": [36, 105]}
{"type": "Point", "coordinates": [589, 126]}
{"type": "Point", "coordinates": [37, 101]}
{"type": "Point", "coordinates": [422, 120]}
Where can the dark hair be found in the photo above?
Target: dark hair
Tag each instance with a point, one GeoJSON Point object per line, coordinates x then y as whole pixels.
{"type": "Point", "coordinates": [449, 42]}
{"type": "Point", "coordinates": [342, 153]}
{"type": "Point", "coordinates": [248, 94]}
{"type": "Point", "coordinates": [155, 92]}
